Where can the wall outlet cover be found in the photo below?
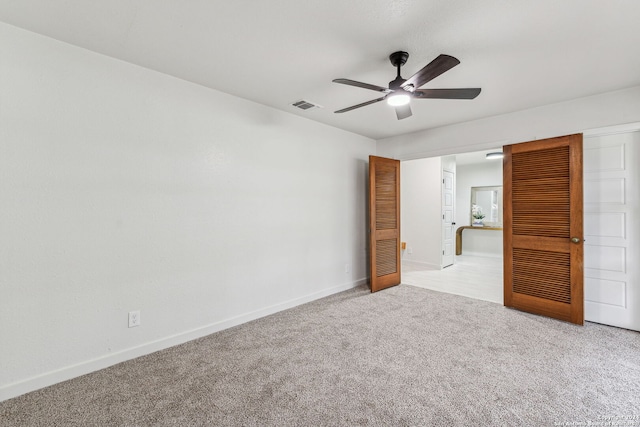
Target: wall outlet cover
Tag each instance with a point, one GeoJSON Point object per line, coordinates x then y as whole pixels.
{"type": "Point", "coordinates": [134, 318]}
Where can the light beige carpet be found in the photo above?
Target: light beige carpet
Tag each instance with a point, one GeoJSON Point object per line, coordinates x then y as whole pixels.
{"type": "Point", "coordinates": [402, 357]}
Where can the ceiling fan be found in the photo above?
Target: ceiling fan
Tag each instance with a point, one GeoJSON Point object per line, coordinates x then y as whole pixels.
{"type": "Point", "coordinates": [400, 91]}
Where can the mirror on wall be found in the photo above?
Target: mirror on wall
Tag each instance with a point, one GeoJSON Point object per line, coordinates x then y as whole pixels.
{"type": "Point", "coordinates": [486, 202]}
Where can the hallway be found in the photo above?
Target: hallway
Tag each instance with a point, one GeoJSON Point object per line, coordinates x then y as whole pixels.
{"type": "Point", "coordinates": [471, 276]}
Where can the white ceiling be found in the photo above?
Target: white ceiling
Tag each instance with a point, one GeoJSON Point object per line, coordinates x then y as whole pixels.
{"type": "Point", "coordinates": [475, 157]}
{"type": "Point", "coordinates": [522, 53]}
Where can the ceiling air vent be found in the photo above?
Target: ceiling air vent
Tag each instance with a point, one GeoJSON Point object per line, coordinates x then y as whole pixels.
{"type": "Point", "coordinates": [305, 105]}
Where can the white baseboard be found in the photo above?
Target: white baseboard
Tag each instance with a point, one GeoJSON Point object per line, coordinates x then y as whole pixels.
{"type": "Point", "coordinates": [53, 377]}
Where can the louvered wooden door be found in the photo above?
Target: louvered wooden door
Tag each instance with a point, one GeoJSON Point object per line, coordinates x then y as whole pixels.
{"type": "Point", "coordinates": [543, 228]}
{"type": "Point", "coordinates": [384, 216]}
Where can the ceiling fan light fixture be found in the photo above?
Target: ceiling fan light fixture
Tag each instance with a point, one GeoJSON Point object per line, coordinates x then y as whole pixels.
{"type": "Point", "coordinates": [398, 99]}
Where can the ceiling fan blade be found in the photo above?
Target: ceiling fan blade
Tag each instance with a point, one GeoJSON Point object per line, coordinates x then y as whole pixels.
{"type": "Point", "coordinates": [467, 93]}
{"type": "Point", "coordinates": [432, 70]}
{"type": "Point", "coordinates": [362, 85]}
{"type": "Point", "coordinates": [403, 111]}
{"type": "Point", "coordinates": [364, 104]}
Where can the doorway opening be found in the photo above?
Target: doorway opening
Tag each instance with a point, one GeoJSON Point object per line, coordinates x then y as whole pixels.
{"type": "Point", "coordinates": [433, 236]}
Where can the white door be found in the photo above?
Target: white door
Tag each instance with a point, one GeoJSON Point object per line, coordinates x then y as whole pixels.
{"type": "Point", "coordinates": [611, 229]}
{"type": "Point", "coordinates": [448, 197]}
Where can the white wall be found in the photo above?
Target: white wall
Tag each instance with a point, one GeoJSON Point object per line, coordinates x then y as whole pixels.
{"type": "Point", "coordinates": [477, 242]}
{"type": "Point", "coordinates": [124, 189]}
{"type": "Point", "coordinates": [564, 118]}
{"type": "Point", "coordinates": [421, 212]}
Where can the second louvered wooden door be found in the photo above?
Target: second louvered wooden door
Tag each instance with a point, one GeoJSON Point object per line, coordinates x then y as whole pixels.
{"type": "Point", "coordinates": [384, 215]}
{"type": "Point", "coordinates": [543, 228]}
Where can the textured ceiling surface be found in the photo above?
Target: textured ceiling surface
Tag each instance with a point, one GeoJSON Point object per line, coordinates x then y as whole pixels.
{"type": "Point", "coordinates": [522, 53]}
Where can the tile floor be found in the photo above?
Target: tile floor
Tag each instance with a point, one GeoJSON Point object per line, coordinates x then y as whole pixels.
{"type": "Point", "coordinates": [471, 276]}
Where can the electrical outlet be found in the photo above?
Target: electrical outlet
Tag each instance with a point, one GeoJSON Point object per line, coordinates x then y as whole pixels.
{"type": "Point", "coordinates": [134, 318]}
{"type": "Point", "coordinates": [347, 268]}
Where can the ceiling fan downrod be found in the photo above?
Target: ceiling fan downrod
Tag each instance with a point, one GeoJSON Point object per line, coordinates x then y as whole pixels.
{"type": "Point", "coordinates": [398, 59]}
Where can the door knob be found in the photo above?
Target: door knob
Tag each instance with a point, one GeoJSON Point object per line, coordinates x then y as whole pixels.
{"type": "Point", "coordinates": [575, 240]}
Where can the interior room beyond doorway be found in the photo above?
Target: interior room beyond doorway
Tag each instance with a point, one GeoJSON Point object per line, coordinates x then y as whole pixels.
{"type": "Point", "coordinates": [477, 272]}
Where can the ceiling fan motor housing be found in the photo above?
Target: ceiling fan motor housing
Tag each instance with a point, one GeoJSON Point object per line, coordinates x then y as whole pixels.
{"type": "Point", "coordinates": [395, 84]}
